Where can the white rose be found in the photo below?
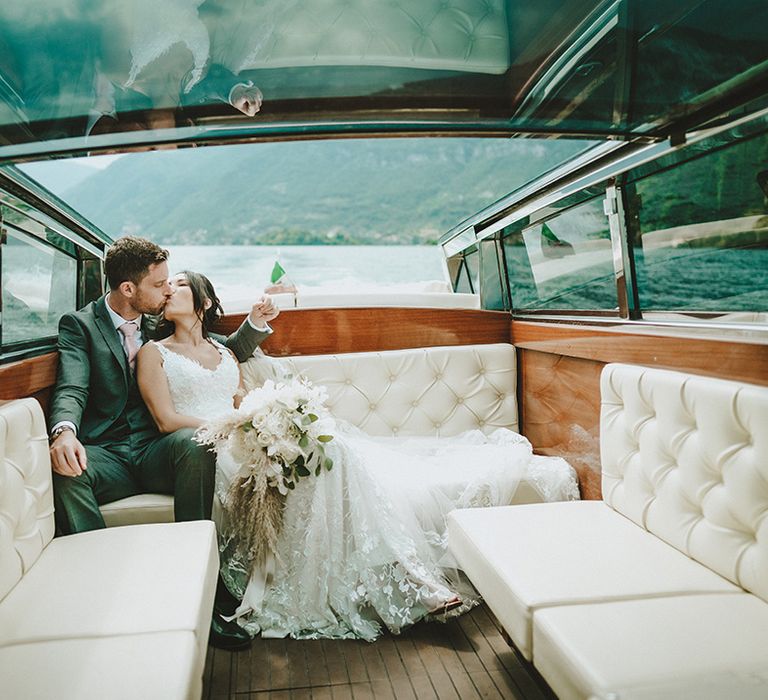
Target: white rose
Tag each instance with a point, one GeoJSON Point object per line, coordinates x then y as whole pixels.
{"type": "Point", "coordinates": [290, 452]}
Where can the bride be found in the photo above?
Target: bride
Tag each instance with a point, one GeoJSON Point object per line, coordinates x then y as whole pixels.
{"type": "Point", "coordinates": [360, 545]}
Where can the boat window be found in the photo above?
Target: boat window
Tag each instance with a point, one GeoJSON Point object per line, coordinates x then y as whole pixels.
{"type": "Point", "coordinates": [564, 262]}
{"type": "Point", "coordinates": [493, 278]}
{"type": "Point", "coordinates": [338, 215]}
{"type": "Point", "coordinates": [472, 264]}
{"type": "Point", "coordinates": [39, 284]}
{"type": "Point", "coordinates": [700, 234]}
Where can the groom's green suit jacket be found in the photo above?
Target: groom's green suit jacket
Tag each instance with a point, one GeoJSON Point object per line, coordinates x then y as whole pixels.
{"type": "Point", "coordinates": [95, 387]}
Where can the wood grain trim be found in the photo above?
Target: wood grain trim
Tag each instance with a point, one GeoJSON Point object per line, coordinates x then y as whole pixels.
{"type": "Point", "coordinates": [736, 359]}
{"type": "Point", "coordinates": [28, 377]}
{"type": "Point", "coordinates": [559, 399]}
{"type": "Point", "coordinates": [319, 331]}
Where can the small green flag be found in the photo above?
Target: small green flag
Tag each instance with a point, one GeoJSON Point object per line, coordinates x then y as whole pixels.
{"type": "Point", "coordinates": [277, 272]}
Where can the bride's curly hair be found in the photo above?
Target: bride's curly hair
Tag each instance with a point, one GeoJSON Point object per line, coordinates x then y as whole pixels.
{"type": "Point", "coordinates": [202, 291]}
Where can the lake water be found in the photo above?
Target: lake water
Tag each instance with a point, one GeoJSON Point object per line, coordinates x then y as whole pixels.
{"type": "Point", "coordinates": [242, 272]}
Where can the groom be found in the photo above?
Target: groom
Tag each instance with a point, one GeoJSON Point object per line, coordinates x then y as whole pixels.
{"type": "Point", "coordinates": [104, 443]}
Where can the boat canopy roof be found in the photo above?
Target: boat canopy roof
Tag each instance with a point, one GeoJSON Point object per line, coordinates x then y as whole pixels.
{"type": "Point", "coordinates": [92, 75]}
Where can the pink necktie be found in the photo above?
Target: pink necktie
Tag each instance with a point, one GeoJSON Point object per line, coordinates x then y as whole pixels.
{"type": "Point", "coordinates": [128, 330]}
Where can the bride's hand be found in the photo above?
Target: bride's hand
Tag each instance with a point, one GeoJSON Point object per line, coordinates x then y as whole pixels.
{"type": "Point", "coordinates": [263, 311]}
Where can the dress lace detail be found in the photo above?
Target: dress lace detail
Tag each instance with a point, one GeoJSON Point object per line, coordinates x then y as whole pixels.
{"type": "Point", "coordinates": [364, 545]}
{"type": "Point", "coordinates": [198, 391]}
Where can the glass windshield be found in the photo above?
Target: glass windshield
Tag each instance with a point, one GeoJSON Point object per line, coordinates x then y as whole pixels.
{"type": "Point", "coordinates": [100, 70]}
{"type": "Point", "coordinates": [339, 214]}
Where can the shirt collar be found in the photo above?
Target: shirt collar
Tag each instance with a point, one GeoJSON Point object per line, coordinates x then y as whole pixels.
{"type": "Point", "coordinates": [118, 320]}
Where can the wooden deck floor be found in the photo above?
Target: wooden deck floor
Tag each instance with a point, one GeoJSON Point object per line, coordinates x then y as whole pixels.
{"type": "Point", "coordinates": [464, 658]}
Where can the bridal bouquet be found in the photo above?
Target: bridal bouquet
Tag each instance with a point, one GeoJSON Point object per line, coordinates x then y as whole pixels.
{"type": "Point", "coordinates": [277, 436]}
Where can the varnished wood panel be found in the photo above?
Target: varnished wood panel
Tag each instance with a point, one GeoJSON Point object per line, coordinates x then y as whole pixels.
{"type": "Point", "coordinates": [739, 359]}
{"type": "Point", "coordinates": [318, 331]}
{"type": "Point", "coordinates": [31, 377]}
{"type": "Point", "coordinates": [560, 411]}
{"type": "Point", "coordinates": [310, 332]}
{"type": "Point", "coordinates": [559, 379]}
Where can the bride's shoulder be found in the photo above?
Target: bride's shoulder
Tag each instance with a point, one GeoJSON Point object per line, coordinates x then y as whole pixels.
{"type": "Point", "coordinates": [153, 348]}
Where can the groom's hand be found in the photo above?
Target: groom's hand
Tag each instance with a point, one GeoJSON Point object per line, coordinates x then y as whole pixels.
{"type": "Point", "coordinates": [263, 311]}
{"type": "Point", "coordinates": [68, 455]}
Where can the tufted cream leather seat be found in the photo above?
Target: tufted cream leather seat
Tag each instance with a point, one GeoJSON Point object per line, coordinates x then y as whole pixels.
{"type": "Point", "coordinates": [76, 610]}
{"type": "Point", "coordinates": [419, 391]}
{"type": "Point", "coordinates": [665, 582]}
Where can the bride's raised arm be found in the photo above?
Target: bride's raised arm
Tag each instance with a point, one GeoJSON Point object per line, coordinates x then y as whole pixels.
{"type": "Point", "coordinates": [241, 391]}
{"type": "Point", "coordinates": [153, 385]}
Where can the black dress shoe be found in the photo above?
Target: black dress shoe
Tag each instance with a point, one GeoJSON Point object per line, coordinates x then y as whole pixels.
{"type": "Point", "coordinates": [224, 602]}
{"type": "Point", "coordinates": [227, 635]}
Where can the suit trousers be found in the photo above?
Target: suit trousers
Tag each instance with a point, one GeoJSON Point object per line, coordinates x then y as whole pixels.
{"type": "Point", "coordinates": [171, 464]}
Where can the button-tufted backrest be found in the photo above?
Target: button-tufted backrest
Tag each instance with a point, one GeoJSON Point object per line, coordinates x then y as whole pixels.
{"type": "Point", "coordinates": [686, 457]}
{"type": "Point", "coordinates": [26, 497]}
{"type": "Point", "coordinates": [423, 391]}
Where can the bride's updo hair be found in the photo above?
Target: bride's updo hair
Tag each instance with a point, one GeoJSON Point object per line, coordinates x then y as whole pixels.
{"type": "Point", "coordinates": [202, 290]}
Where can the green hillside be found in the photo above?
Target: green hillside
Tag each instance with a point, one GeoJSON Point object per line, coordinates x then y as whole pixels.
{"type": "Point", "coordinates": [352, 191]}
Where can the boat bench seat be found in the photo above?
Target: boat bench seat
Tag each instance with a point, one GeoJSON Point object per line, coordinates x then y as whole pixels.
{"type": "Point", "coordinates": [661, 589]}
{"type": "Point", "coordinates": [77, 612]}
{"type": "Point", "coordinates": [434, 391]}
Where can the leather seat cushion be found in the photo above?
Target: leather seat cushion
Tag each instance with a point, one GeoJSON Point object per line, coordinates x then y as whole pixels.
{"type": "Point", "coordinates": [693, 646]}
{"type": "Point", "coordinates": [117, 581]}
{"type": "Point", "coordinates": [517, 556]}
{"type": "Point", "coordinates": [135, 510]}
{"type": "Point", "coordinates": [159, 666]}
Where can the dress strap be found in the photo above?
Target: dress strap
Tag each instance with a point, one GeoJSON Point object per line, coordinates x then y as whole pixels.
{"type": "Point", "coordinates": [163, 350]}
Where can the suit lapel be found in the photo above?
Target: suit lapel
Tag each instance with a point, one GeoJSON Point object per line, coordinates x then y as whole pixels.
{"type": "Point", "coordinates": [148, 327]}
{"type": "Point", "coordinates": [107, 330]}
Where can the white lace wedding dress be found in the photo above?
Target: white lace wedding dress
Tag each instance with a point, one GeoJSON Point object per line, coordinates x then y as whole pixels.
{"type": "Point", "coordinates": [364, 543]}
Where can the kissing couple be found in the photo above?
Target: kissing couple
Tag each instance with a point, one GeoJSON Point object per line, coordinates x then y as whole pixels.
{"type": "Point", "coordinates": [361, 546]}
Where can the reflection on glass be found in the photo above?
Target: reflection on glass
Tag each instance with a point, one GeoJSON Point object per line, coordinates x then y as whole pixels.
{"type": "Point", "coordinates": [700, 233]}
{"type": "Point", "coordinates": [640, 62]}
{"type": "Point", "coordinates": [38, 286]}
{"type": "Point", "coordinates": [84, 67]}
{"type": "Point", "coordinates": [565, 263]}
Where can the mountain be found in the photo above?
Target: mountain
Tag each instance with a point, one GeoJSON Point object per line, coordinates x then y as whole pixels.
{"type": "Point", "coordinates": [58, 176]}
{"type": "Point", "coordinates": [343, 191]}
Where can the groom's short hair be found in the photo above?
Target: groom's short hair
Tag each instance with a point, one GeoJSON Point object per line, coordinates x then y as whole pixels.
{"type": "Point", "coordinates": [129, 258]}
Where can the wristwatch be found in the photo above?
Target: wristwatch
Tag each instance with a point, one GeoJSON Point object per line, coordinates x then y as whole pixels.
{"type": "Point", "coordinates": [55, 433]}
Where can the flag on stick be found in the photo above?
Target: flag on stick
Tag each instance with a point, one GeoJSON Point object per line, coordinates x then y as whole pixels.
{"type": "Point", "coordinates": [278, 273]}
